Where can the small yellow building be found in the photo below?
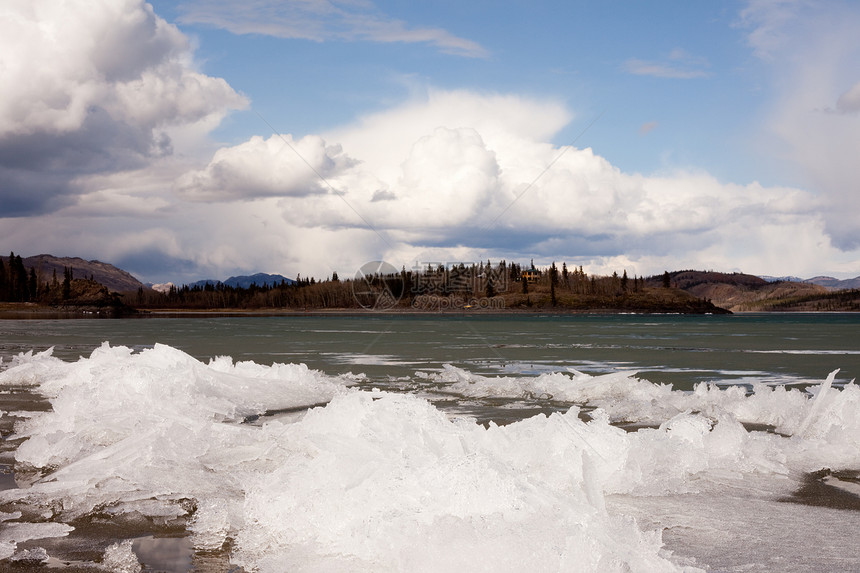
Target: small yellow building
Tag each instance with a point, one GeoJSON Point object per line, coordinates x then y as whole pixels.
{"type": "Point", "coordinates": [531, 275]}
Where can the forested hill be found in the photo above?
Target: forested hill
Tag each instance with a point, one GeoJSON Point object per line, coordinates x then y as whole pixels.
{"type": "Point", "coordinates": [69, 281]}
{"type": "Point", "coordinates": [115, 279]}
{"type": "Point", "coordinates": [740, 292]}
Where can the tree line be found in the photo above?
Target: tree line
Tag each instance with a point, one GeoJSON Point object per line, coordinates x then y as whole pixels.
{"type": "Point", "coordinates": [516, 284]}
{"type": "Point", "coordinates": [452, 280]}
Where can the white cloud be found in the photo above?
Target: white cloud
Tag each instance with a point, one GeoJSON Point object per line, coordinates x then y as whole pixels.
{"type": "Point", "coordinates": [277, 166]}
{"type": "Point", "coordinates": [443, 188]}
{"type": "Point", "coordinates": [461, 185]}
{"type": "Point", "coordinates": [457, 175]}
{"type": "Point", "coordinates": [92, 87]}
{"type": "Point", "coordinates": [770, 23]}
{"type": "Point", "coordinates": [321, 20]}
{"type": "Point", "coordinates": [811, 51]}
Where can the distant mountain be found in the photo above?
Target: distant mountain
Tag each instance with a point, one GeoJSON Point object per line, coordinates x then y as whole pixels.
{"type": "Point", "coordinates": [115, 279]}
{"type": "Point", "coordinates": [245, 281]}
{"type": "Point", "coordinates": [782, 279]}
{"type": "Point", "coordinates": [833, 283]}
{"type": "Point", "coordinates": [735, 291]}
{"type": "Point", "coordinates": [739, 292]}
{"type": "Point", "coordinates": [827, 282]}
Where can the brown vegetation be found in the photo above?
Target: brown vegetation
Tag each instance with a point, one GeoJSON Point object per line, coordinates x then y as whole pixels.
{"type": "Point", "coordinates": [747, 293]}
{"type": "Point", "coordinates": [477, 287]}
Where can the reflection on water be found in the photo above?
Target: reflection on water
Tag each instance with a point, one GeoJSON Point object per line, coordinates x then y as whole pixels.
{"type": "Point", "coordinates": [168, 554]}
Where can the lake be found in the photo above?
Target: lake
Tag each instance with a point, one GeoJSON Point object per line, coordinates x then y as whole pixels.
{"type": "Point", "coordinates": [452, 440]}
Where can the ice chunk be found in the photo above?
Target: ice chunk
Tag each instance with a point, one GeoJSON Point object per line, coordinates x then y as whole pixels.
{"type": "Point", "coordinates": [13, 533]}
{"type": "Point", "coordinates": [30, 557]}
{"type": "Point", "coordinates": [120, 558]}
{"type": "Point", "coordinates": [211, 524]}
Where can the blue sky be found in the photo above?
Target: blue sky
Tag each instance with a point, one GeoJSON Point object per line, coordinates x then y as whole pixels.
{"type": "Point", "coordinates": [206, 138]}
{"type": "Point", "coordinates": [683, 69]}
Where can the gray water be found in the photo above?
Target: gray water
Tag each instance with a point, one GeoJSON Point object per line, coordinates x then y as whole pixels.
{"type": "Point", "coordinates": [682, 350]}
{"type": "Point", "coordinates": [678, 349]}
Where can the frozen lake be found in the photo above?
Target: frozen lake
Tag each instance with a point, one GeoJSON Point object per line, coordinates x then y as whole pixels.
{"type": "Point", "coordinates": [498, 443]}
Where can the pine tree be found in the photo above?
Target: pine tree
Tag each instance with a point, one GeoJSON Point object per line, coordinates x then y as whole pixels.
{"type": "Point", "coordinates": [32, 285]}
{"type": "Point", "coordinates": [67, 283]}
{"type": "Point", "coordinates": [17, 279]}
{"type": "Point", "coordinates": [4, 289]}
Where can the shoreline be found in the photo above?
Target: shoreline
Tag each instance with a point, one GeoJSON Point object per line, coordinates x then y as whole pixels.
{"type": "Point", "coordinates": [24, 311]}
{"type": "Point", "coordinates": [35, 311]}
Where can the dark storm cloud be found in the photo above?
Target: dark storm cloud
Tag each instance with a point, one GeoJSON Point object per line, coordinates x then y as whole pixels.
{"type": "Point", "coordinates": [38, 169]}
{"type": "Point", "coordinates": [91, 88]}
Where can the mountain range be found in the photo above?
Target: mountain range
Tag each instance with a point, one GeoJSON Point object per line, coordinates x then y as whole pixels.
{"type": "Point", "coordinates": [827, 282]}
{"type": "Point", "coordinates": [245, 281]}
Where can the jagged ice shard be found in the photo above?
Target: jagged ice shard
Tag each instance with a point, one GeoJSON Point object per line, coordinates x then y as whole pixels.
{"type": "Point", "coordinates": [383, 481]}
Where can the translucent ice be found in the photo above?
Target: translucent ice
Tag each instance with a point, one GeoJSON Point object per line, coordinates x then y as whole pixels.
{"type": "Point", "coordinates": [377, 481]}
{"type": "Point", "coordinates": [120, 558]}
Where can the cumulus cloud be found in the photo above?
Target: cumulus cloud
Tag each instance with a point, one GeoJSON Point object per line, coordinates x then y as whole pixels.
{"type": "Point", "coordinates": [321, 20]}
{"type": "Point", "coordinates": [89, 134]}
{"type": "Point", "coordinates": [277, 166]}
{"type": "Point", "coordinates": [101, 87]}
{"type": "Point", "coordinates": [450, 184]}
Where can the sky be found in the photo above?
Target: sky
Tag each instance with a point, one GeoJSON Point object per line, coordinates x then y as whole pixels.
{"type": "Point", "coordinates": [211, 138]}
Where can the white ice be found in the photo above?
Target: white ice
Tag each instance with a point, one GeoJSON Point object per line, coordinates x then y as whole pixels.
{"type": "Point", "coordinates": [378, 481]}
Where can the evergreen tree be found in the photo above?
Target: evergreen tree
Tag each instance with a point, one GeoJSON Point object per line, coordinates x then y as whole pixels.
{"type": "Point", "coordinates": [32, 285]}
{"type": "Point", "coordinates": [667, 280]}
{"type": "Point", "coordinates": [67, 283]}
{"type": "Point", "coordinates": [624, 281]}
{"type": "Point", "coordinates": [4, 288]}
{"type": "Point", "coordinates": [18, 291]}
